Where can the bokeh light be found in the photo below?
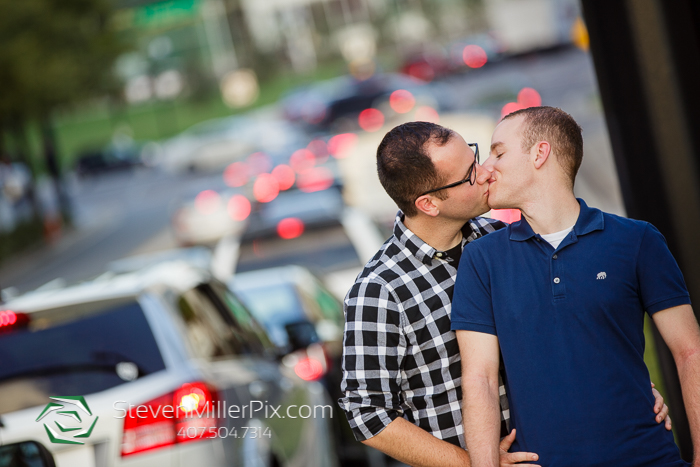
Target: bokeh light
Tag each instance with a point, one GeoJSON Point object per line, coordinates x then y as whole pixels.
{"type": "Point", "coordinates": [510, 107]}
{"type": "Point", "coordinates": [474, 56]}
{"type": "Point", "coordinates": [528, 97]}
{"type": "Point", "coordinates": [238, 207]}
{"type": "Point", "coordinates": [207, 202]}
{"type": "Point", "coordinates": [422, 71]}
{"type": "Point", "coordinates": [291, 227]}
{"type": "Point", "coordinates": [266, 188]}
{"type": "Point", "coordinates": [236, 174]}
{"type": "Point", "coordinates": [427, 114]}
{"type": "Point", "coordinates": [402, 101]}
{"type": "Point", "coordinates": [302, 160]}
{"type": "Point", "coordinates": [506, 215]}
{"type": "Point", "coordinates": [320, 150]}
{"type": "Point", "coordinates": [340, 146]}
{"type": "Point", "coordinates": [315, 179]}
{"type": "Point", "coordinates": [284, 175]}
{"type": "Point", "coordinates": [309, 369]}
{"type": "Point", "coordinates": [258, 163]}
{"type": "Point", "coordinates": [371, 120]}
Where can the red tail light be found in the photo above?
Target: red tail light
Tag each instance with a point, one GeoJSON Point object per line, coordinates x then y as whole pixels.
{"type": "Point", "coordinates": [310, 364]}
{"type": "Point", "coordinates": [309, 369]}
{"type": "Point", "coordinates": [184, 415]}
{"type": "Point", "coordinates": [10, 320]}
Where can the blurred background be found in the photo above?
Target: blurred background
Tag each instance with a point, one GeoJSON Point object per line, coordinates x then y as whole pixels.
{"type": "Point", "coordinates": [249, 127]}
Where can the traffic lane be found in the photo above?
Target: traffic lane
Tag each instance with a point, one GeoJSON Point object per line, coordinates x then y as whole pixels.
{"type": "Point", "coordinates": [115, 216]}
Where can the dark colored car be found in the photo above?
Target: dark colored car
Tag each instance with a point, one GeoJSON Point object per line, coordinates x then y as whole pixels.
{"type": "Point", "coordinates": [305, 321]}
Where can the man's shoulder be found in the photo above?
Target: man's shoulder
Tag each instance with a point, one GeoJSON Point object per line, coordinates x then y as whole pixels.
{"type": "Point", "coordinates": [485, 225]}
{"type": "Point", "coordinates": [381, 268]}
{"type": "Point", "coordinates": [631, 230]}
{"type": "Point", "coordinates": [498, 232]}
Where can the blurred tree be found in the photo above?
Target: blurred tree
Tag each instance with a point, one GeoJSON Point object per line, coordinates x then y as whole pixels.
{"type": "Point", "coordinates": [54, 53]}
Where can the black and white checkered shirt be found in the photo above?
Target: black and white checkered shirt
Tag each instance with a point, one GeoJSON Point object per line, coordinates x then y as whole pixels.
{"type": "Point", "coordinates": [400, 358]}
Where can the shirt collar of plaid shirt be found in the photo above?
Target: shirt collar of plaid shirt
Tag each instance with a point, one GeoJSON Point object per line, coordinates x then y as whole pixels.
{"type": "Point", "coordinates": [421, 250]}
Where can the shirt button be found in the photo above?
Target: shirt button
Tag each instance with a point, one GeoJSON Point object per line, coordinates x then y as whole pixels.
{"type": "Point", "coordinates": [554, 257]}
{"type": "Point", "coordinates": [556, 280]}
{"type": "Point", "coordinates": [537, 239]}
{"type": "Point", "coordinates": [439, 255]}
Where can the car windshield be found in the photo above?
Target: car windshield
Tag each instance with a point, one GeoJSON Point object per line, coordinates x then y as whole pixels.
{"type": "Point", "coordinates": [75, 351]}
{"type": "Point", "coordinates": [274, 306]}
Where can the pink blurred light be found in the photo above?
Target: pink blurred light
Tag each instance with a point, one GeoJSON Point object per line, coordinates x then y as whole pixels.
{"type": "Point", "coordinates": [528, 97]}
{"type": "Point", "coordinates": [371, 120]}
{"type": "Point", "coordinates": [506, 215]}
{"type": "Point", "coordinates": [402, 101]}
{"type": "Point", "coordinates": [320, 150]}
{"type": "Point", "coordinates": [259, 163]}
{"type": "Point", "coordinates": [510, 107]}
{"type": "Point", "coordinates": [284, 175]}
{"type": "Point", "coordinates": [236, 174]}
{"type": "Point", "coordinates": [341, 145]}
{"type": "Point", "coordinates": [302, 160]}
{"type": "Point", "coordinates": [207, 202]}
{"type": "Point", "coordinates": [421, 71]}
{"type": "Point", "coordinates": [427, 114]}
{"type": "Point", "coordinates": [266, 188]}
{"type": "Point", "coordinates": [315, 179]}
{"type": "Point", "coordinates": [289, 228]}
{"type": "Point", "coordinates": [474, 56]}
{"type": "Point", "coordinates": [238, 207]}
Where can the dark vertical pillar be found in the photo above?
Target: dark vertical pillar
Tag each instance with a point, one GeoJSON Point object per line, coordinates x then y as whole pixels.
{"type": "Point", "coordinates": [647, 59]}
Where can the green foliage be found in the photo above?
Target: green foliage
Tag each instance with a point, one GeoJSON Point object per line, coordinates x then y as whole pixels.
{"type": "Point", "coordinates": [53, 52]}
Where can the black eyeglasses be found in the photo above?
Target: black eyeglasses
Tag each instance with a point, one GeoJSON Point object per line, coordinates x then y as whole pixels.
{"type": "Point", "coordinates": [471, 173]}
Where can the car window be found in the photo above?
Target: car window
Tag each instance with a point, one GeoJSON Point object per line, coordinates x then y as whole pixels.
{"type": "Point", "coordinates": [73, 350]}
{"type": "Point", "coordinates": [330, 308]}
{"type": "Point", "coordinates": [275, 306]}
{"type": "Point", "coordinates": [250, 329]}
{"type": "Point", "coordinates": [208, 333]}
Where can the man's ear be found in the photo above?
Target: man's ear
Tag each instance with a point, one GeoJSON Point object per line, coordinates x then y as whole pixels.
{"type": "Point", "coordinates": [426, 205]}
{"type": "Point", "coordinates": [542, 150]}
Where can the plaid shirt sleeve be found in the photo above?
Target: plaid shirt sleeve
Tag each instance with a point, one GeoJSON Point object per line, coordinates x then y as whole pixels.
{"type": "Point", "coordinates": [373, 351]}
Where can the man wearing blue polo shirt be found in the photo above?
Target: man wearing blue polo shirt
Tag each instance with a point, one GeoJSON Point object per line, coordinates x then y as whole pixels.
{"type": "Point", "coordinates": [563, 300]}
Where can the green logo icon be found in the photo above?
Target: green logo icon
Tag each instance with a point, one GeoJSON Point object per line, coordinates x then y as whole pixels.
{"type": "Point", "coordinates": [70, 407]}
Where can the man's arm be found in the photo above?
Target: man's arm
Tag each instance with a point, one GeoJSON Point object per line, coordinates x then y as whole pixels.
{"type": "Point", "coordinates": [373, 349]}
{"type": "Point", "coordinates": [414, 446]}
{"type": "Point", "coordinates": [680, 330]}
{"type": "Point", "coordinates": [480, 403]}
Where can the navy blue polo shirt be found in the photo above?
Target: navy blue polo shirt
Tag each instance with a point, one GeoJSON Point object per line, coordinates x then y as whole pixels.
{"type": "Point", "coordinates": [570, 327]}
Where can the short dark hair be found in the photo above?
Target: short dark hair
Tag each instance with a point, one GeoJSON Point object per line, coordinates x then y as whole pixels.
{"type": "Point", "coordinates": [404, 166]}
{"type": "Point", "coordinates": [559, 129]}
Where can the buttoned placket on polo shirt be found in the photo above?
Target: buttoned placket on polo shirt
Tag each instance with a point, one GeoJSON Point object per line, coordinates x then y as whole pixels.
{"type": "Point", "coordinates": [556, 263]}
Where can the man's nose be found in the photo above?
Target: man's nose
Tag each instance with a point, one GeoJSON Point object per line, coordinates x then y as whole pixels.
{"type": "Point", "coordinates": [483, 173]}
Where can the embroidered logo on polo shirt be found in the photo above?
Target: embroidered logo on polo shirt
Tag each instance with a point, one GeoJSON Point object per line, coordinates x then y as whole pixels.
{"type": "Point", "coordinates": [601, 275]}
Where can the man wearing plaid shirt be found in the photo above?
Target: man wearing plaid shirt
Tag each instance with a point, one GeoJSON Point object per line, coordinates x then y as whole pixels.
{"type": "Point", "coordinates": [401, 363]}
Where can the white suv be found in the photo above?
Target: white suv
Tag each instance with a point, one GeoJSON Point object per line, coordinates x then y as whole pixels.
{"type": "Point", "coordinates": [160, 367]}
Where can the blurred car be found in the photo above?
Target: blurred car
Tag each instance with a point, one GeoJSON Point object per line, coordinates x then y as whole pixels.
{"type": "Point", "coordinates": [427, 65]}
{"type": "Point", "coordinates": [298, 210]}
{"type": "Point", "coordinates": [305, 321]}
{"type": "Point", "coordinates": [314, 230]}
{"type": "Point", "coordinates": [210, 215]}
{"type": "Point", "coordinates": [336, 103]}
{"type": "Point", "coordinates": [111, 158]}
{"type": "Point", "coordinates": [212, 145]}
{"type": "Point", "coordinates": [159, 363]}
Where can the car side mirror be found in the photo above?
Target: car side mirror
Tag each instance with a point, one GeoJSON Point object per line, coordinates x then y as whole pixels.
{"type": "Point", "coordinates": [301, 335]}
{"type": "Point", "coordinates": [25, 453]}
